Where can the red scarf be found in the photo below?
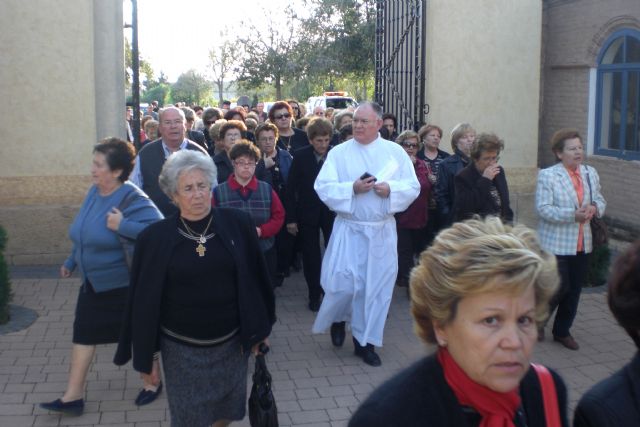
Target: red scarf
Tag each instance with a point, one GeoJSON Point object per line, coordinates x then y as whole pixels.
{"type": "Point", "coordinates": [497, 409]}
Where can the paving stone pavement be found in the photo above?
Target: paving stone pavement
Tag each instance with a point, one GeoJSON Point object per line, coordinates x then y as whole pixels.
{"type": "Point", "coordinates": [314, 383]}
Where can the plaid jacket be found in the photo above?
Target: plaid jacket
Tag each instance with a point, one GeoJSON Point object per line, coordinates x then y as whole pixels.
{"type": "Point", "coordinates": [556, 203]}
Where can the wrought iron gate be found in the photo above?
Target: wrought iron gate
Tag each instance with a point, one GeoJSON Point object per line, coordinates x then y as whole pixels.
{"type": "Point", "coordinates": [400, 61]}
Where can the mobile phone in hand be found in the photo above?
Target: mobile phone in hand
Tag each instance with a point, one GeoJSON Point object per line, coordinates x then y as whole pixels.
{"type": "Point", "coordinates": [368, 175]}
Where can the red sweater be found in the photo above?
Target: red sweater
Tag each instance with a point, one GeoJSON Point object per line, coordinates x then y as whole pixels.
{"type": "Point", "coordinates": [415, 216]}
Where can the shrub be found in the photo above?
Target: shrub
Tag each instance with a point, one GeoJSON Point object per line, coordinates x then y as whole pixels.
{"type": "Point", "coordinates": [599, 266]}
{"type": "Point", "coordinates": [5, 284]}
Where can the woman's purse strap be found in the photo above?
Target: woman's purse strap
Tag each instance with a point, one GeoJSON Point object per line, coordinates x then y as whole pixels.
{"type": "Point", "coordinates": [589, 184]}
{"type": "Point", "coordinates": [549, 396]}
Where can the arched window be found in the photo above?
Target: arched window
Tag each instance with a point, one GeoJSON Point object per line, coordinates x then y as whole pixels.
{"type": "Point", "coordinates": [618, 96]}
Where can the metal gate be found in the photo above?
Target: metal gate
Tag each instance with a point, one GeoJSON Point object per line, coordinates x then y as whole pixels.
{"type": "Point", "coordinates": [400, 61]}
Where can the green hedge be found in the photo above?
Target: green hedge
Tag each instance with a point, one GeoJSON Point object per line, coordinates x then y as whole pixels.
{"type": "Point", "coordinates": [5, 284]}
{"type": "Point", "coordinates": [599, 266]}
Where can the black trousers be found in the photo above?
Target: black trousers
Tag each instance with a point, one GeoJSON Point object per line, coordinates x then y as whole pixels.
{"type": "Point", "coordinates": [411, 242]}
{"type": "Point", "coordinates": [573, 274]}
{"type": "Point", "coordinates": [311, 254]}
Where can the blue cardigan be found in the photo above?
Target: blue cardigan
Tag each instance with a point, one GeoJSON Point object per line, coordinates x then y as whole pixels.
{"type": "Point", "coordinates": [97, 251]}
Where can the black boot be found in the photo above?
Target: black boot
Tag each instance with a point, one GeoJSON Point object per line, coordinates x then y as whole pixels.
{"type": "Point", "coordinates": [367, 353]}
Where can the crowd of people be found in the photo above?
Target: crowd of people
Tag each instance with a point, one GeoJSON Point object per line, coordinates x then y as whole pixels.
{"type": "Point", "coordinates": [220, 203]}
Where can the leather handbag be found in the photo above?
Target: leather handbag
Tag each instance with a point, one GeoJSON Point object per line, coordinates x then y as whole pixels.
{"type": "Point", "coordinates": [262, 405]}
{"type": "Point", "coordinates": [599, 229]}
{"type": "Point", "coordinates": [549, 396]}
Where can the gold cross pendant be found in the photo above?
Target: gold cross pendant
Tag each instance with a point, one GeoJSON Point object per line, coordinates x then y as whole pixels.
{"type": "Point", "coordinates": [201, 249]}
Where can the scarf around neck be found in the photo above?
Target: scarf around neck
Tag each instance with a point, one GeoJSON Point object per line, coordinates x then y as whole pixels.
{"type": "Point", "coordinates": [496, 409]}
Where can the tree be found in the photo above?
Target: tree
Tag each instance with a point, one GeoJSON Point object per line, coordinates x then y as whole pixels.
{"type": "Point", "coordinates": [192, 88]}
{"type": "Point", "coordinates": [223, 61]}
{"type": "Point", "coordinates": [339, 41]}
{"type": "Point", "coordinates": [145, 67]}
{"type": "Point", "coordinates": [270, 58]}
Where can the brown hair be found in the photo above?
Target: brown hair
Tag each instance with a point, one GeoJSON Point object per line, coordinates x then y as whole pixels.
{"type": "Point", "coordinates": [119, 154]}
{"type": "Point", "coordinates": [319, 126]}
{"type": "Point", "coordinates": [424, 131]}
{"type": "Point", "coordinates": [262, 127]}
{"type": "Point", "coordinates": [624, 291]}
{"type": "Point", "coordinates": [486, 142]}
{"type": "Point", "coordinates": [560, 137]}
{"type": "Point", "coordinates": [244, 148]}
{"type": "Point", "coordinates": [232, 124]}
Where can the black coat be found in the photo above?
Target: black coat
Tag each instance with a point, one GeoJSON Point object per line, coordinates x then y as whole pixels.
{"type": "Point", "coordinates": [445, 186]}
{"type": "Point", "coordinates": [473, 195]}
{"type": "Point", "coordinates": [420, 396]}
{"type": "Point", "coordinates": [302, 202]}
{"type": "Point", "coordinates": [154, 246]}
{"type": "Point", "coordinates": [613, 402]}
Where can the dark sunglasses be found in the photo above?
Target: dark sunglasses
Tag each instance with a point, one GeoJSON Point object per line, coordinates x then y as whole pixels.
{"type": "Point", "coordinates": [409, 145]}
{"type": "Point", "coordinates": [282, 116]}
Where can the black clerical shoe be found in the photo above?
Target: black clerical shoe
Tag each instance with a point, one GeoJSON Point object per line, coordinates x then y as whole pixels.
{"type": "Point", "coordinates": [337, 333]}
{"type": "Point", "coordinates": [366, 353]}
{"type": "Point", "coordinates": [74, 407]}
{"type": "Point", "coordinates": [147, 396]}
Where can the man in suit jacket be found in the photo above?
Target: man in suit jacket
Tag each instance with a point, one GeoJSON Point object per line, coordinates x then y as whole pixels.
{"type": "Point", "coordinates": [306, 214]}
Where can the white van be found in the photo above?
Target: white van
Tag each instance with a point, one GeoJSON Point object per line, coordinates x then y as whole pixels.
{"type": "Point", "coordinates": [336, 100]}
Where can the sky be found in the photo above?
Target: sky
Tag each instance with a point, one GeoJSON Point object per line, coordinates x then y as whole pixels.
{"type": "Point", "coordinates": [175, 36]}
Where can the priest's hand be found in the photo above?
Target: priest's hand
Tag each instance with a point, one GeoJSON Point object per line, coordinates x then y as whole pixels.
{"type": "Point", "coordinates": [363, 185]}
{"type": "Point", "coordinates": [382, 189]}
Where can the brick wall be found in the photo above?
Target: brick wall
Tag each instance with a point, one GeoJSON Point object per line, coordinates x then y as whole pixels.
{"type": "Point", "coordinates": [574, 32]}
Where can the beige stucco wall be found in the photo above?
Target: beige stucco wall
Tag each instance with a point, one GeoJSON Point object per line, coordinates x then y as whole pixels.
{"type": "Point", "coordinates": [483, 67]}
{"type": "Point", "coordinates": [59, 92]}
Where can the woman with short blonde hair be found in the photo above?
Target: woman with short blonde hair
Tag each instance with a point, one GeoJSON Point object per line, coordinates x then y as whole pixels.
{"type": "Point", "coordinates": [479, 293]}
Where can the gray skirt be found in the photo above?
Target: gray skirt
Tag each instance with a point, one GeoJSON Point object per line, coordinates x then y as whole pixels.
{"type": "Point", "coordinates": [204, 384]}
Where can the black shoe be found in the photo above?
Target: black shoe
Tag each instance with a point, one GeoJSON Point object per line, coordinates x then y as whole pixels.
{"type": "Point", "coordinates": [367, 353]}
{"type": "Point", "coordinates": [75, 407]}
{"type": "Point", "coordinates": [337, 333]}
{"type": "Point", "coordinates": [147, 396]}
{"type": "Point", "coordinates": [314, 305]}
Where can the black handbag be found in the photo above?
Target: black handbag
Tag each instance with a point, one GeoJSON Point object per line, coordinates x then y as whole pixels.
{"type": "Point", "coordinates": [262, 406]}
{"type": "Point", "coordinates": [599, 230]}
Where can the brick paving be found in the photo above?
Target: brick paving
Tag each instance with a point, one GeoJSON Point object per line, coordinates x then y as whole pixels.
{"type": "Point", "coordinates": [314, 383]}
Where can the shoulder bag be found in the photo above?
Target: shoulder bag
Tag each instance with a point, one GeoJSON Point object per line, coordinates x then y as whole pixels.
{"type": "Point", "coordinates": [549, 396]}
{"type": "Point", "coordinates": [599, 230]}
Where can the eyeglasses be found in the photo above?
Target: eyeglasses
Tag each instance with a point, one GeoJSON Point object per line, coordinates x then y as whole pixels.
{"type": "Point", "coordinates": [282, 116]}
{"type": "Point", "coordinates": [489, 159]}
{"type": "Point", "coordinates": [410, 145]}
{"type": "Point", "coordinates": [245, 164]}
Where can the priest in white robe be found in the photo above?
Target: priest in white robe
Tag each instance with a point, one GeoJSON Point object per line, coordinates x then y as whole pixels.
{"type": "Point", "coordinates": [365, 181]}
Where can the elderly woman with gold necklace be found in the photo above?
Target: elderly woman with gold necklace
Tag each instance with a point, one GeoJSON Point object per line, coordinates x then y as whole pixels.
{"type": "Point", "coordinates": [201, 295]}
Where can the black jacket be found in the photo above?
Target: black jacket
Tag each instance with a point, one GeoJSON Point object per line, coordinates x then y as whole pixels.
{"type": "Point", "coordinates": [302, 203]}
{"type": "Point", "coordinates": [473, 196]}
{"type": "Point", "coordinates": [154, 246]}
{"type": "Point", "coordinates": [445, 186]}
{"type": "Point", "coordinates": [420, 396]}
{"type": "Point", "coordinates": [613, 402]}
